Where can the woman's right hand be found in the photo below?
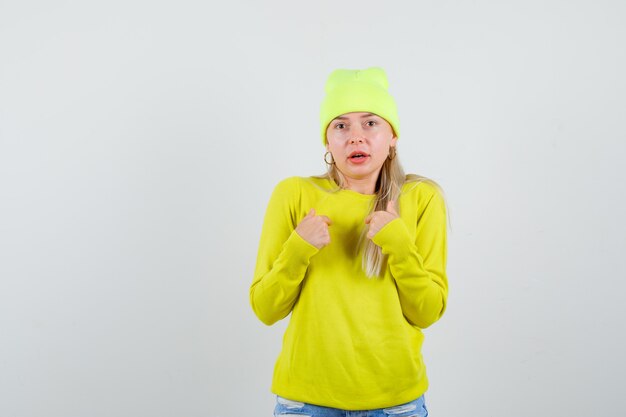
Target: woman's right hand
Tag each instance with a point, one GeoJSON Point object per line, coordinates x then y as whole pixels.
{"type": "Point", "coordinates": [314, 229]}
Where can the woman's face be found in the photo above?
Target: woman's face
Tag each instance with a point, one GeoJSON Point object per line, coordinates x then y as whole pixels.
{"type": "Point", "coordinates": [365, 133]}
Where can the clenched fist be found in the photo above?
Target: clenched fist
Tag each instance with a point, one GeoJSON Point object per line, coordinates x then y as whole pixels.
{"type": "Point", "coordinates": [314, 229]}
{"type": "Point", "coordinates": [378, 219]}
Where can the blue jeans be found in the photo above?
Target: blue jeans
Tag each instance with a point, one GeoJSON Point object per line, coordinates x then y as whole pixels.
{"type": "Point", "coordinates": [289, 408]}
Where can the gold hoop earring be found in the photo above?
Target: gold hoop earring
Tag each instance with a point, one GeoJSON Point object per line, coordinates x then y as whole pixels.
{"type": "Point", "coordinates": [392, 153]}
{"type": "Point", "coordinates": [332, 161]}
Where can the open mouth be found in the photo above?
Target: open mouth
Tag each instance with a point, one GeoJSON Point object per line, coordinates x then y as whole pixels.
{"type": "Point", "coordinates": [358, 156]}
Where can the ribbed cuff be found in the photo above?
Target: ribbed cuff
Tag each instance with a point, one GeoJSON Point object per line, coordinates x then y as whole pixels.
{"type": "Point", "coordinates": [298, 247]}
{"type": "Point", "coordinates": [394, 238]}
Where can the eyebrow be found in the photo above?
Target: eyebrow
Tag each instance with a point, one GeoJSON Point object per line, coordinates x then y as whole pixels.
{"type": "Point", "coordinates": [344, 118]}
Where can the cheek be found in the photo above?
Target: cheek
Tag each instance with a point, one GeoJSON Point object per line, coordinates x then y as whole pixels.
{"type": "Point", "coordinates": [382, 151]}
{"type": "Point", "coordinates": [335, 137]}
{"type": "Point", "coordinates": [334, 144]}
{"type": "Point", "coordinates": [337, 155]}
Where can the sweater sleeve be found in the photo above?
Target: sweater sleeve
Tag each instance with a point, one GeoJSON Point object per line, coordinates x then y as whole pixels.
{"type": "Point", "coordinates": [283, 256]}
{"type": "Point", "coordinates": [419, 267]}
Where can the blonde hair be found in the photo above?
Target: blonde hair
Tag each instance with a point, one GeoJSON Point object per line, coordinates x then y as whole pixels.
{"type": "Point", "coordinates": [388, 187]}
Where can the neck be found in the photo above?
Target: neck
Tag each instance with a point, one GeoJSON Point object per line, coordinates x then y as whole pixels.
{"type": "Point", "coordinates": [361, 185]}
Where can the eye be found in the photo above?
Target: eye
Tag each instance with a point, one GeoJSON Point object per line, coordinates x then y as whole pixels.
{"type": "Point", "coordinates": [372, 122]}
{"type": "Point", "coordinates": [339, 125]}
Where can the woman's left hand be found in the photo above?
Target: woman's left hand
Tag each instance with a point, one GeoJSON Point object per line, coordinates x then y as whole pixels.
{"type": "Point", "coordinates": [378, 219]}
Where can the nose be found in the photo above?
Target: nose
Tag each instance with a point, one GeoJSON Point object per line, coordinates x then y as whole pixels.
{"type": "Point", "coordinates": [356, 135]}
{"type": "Point", "coordinates": [358, 139]}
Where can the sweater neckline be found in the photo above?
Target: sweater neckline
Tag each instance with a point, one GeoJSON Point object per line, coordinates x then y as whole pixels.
{"type": "Point", "coordinates": [351, 193]}
{"type": "Point", "coordinates": [356, 194]}
{"type": "Point", "coordinates": [329, 185]}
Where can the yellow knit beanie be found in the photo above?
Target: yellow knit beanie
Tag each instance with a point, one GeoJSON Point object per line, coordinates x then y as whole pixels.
{"type": "Point", "coordinates": [350, 91]}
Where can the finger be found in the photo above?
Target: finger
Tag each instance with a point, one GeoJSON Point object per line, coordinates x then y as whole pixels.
{"type": "Point", "coordinates": [368, 219]}
{"type": "Point", "coordinates": [391, 207]}
{"type": "Point", "coordinates": [311, 213]}
{"type": "Point", "coordinates": [326, 220]}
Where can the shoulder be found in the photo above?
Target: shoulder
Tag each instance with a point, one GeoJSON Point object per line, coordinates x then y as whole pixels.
{"type": "Point", "coordinates": [423, 191]}
{"type": "Point", "coordinates": [311, 184]}
{"type": "Point", "coordinates": [420, 186]}
{"type": "Point", "coordinates": [297, 185]}
{"type": "Point", "coordinates": [287, 187]}
{"type": "Point", "coordinates": [294, 192]}
{"type": "Point", "coordinates": [289, 182]}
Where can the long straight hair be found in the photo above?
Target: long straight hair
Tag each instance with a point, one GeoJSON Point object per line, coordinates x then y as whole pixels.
{"type": "Point", "coordinates": [388, 187]}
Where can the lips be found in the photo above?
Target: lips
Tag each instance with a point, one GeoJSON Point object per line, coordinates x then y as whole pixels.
{"type": "Point", "coordinates": [358, 157]}
{"type": "Point", "coordinates": [357, 154]}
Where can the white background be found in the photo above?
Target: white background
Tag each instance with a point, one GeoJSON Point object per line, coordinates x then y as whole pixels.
{"type": "Point", "coordinates": [140, 142]}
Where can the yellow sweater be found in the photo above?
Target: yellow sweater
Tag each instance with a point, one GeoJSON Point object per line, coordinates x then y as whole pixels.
{"type": "Point", "coordinates": [352, 342]}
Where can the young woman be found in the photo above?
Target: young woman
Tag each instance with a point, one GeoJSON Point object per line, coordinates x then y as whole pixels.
{"type": "Point", "coordinates": [358, 257]}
